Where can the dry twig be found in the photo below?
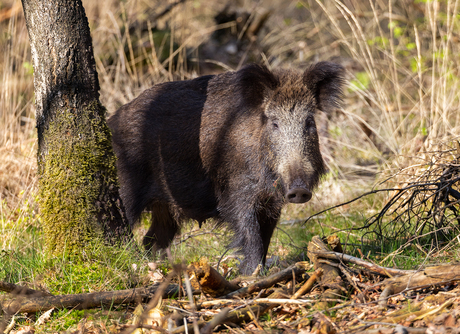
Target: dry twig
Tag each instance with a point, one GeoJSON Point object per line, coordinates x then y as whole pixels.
{"type": "Point", "coordinates": [308, 284]}
{"type": "Point", "coordinates": [371, 266]}
{"type": "Point", "coordinates": [297, 269]}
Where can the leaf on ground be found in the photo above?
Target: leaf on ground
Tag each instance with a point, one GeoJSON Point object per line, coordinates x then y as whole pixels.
{"type": "Point", "coordinates": [155, 317]}
{"type": "Point", "coordinates": [155, 276]}
{"type": "Point", "coordinates": [44, 317]}
{"type": "Point", "coordinates": [24, 330]}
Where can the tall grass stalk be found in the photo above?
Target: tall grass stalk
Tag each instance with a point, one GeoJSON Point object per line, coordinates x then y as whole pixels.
{"type": "Point", "coordinates": [17, 142]}
{"type": "Point", "coordinates": [412, 97]}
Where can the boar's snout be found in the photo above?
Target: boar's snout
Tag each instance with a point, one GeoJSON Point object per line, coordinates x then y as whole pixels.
{"type": "Point", "coordinates": [298, 195]}
{"type": "Point", "coordinates": [299, 183]}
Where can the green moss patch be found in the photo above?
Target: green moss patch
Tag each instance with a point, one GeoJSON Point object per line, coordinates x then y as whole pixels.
{"type": "Point", "coordinates": [77, 172]}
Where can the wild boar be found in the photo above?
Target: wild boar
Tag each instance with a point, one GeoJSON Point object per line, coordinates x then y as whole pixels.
{"type": "Point", "coordinates": [233, 147]}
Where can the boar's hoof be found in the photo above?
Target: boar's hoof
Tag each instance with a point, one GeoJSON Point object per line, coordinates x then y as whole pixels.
{"type": "Point", "coordinates": [298, 195]}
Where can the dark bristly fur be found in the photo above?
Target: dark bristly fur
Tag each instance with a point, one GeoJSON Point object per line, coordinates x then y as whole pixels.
{"type": "Point", "coordinates": [232, 147]}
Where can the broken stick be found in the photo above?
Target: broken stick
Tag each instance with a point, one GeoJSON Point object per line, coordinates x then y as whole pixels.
{"type": "Point", "coordinates": [308, 284]}
{"type": "Point", "coordinates": [206, 278]}
{"type": "Point", "coordinates": [21, 290]}
{"type": "Point", "coordinates": [295, 270]}
{"type": "Point", "coordinates": [84, 300]}
{"type": "Point", "coordinates": [331, 274]}
{"type": "Point", "coordinates": [327, 254]}
{"type": "Point", "coordinates": [415, 280]}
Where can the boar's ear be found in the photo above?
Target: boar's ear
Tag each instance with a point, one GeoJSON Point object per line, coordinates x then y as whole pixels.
{"type": "Point", "coordinates": [325, 81]}
{"type": "Point", "coordinates": [254, 82]}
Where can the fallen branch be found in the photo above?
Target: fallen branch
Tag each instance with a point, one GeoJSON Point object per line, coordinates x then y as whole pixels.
{"type": "Point", "coordinates": [21, 290]}
{"type": "Point", "coordinates": [308, 284]}
{"type": "Point", "coordinates": [236, 316]}
{"type": "Point", "coordinates": [296, 270]}
{"type": "Point", "coordinates": [206, 278]}
{"type": "Point", "coordinates": [84, 300]}
{"type": "Point", "coordinates": [428, 276]}
{"type": "Point", "coordinates": [219, 319]}
{"type": "Point", "coordinates": [327, 254]}
{"type": "Point", "coordinates": [425, 278]}
{"type": "Point", "coordinates": [331, 274]}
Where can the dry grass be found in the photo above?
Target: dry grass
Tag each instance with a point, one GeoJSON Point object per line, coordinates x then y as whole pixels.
{"type": "Point", "coordinates": [401, 64]}
{"type": "Point", "coordinates": [17, 137]}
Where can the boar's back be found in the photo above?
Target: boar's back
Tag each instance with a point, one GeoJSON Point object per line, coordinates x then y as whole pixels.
{"type": "Point", "coordinates": [156, 138]}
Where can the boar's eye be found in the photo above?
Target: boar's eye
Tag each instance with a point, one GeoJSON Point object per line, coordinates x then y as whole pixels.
{"type": "Point", "coordinates": [309, 123]}
{"type": "Point", "coordinates": [275, 125]}
{"type": "Point", "coordinates": [310, 126]}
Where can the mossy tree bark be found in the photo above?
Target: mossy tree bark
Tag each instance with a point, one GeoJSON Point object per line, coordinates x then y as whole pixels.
{"type": "Point", "coordinates": [78, 192]}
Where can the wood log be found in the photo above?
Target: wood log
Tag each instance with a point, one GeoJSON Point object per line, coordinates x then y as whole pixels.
{"type": "Point", "coordinates": [84, 300]}
{"type": "Point", "coordinates": [334, 242]}
{"type": "Point", "coordinates": [427, 277]}
{"type": "Point", "coordinates": [331, 274]}
{"type": "Point", "coordinates": [206, 278]}
{"type": "Point", "coordinates": [21, 290]}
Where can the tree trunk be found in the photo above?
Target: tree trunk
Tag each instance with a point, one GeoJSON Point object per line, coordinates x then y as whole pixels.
{"type": "Point", "coordinates": [78, 187]}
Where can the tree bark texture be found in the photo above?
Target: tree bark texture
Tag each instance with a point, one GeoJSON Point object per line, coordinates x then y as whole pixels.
{"type": "Point", "coordinates": [78, 187]}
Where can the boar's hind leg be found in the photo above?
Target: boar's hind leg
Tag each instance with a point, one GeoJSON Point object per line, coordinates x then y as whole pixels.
{"type": "Point", "coordinates": [163, 228]}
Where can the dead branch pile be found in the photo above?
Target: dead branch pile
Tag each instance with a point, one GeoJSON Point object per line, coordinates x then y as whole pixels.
{"type": "Point", "coordinates": [426, 199]}
{"type": "Point", "coordinates": [423, 205]}
{"type": "Point", "coordinates": [344, 293]}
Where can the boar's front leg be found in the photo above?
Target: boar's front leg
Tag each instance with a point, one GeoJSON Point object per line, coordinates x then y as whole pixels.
{"type": "Point", "coordinates": [253, 230]}
{"type": "Point", "coordinates": [267, 217]}
{"type": "Point", "coordinates": [248, 240]}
